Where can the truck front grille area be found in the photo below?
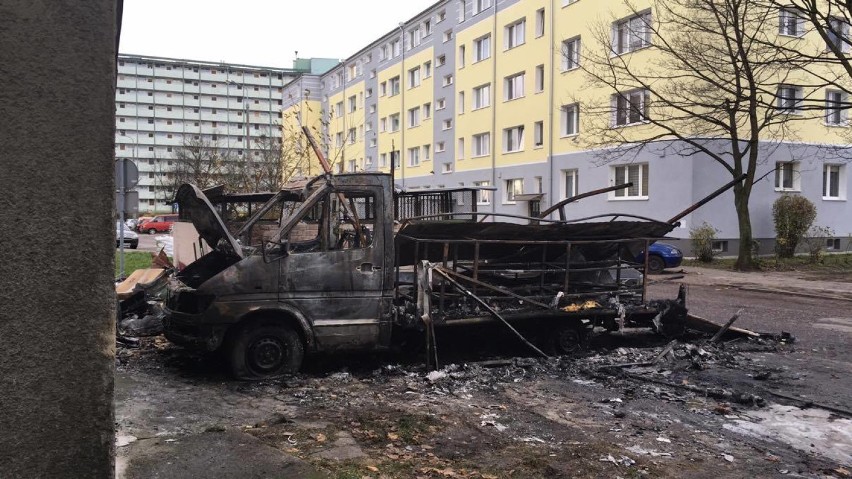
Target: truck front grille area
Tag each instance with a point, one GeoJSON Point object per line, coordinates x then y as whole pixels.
{"type": "Point", "coordinates": [188, 302]}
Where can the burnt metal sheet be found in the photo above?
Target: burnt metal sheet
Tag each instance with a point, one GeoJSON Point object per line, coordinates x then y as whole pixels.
{"type": "Point", "coordinates": [195, 205]}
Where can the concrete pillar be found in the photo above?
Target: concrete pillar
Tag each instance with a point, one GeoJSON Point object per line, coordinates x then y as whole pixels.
{"type": "Point", "coordinates": [57, 105]}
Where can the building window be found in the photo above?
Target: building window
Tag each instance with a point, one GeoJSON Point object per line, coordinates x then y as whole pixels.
{"type": "Point", "coordinates": [832, 244]}
{"type": "Point", "coordinates": [383, 88]}
{"type": "Point", "coordinates": [447, 124]}
{"type": "Point", "coordinates": [427, 151]}
{"type": "Point", "coordinates": [789, 99]}
{"type": "Point", "coordinates": [460, 104]}
{"type": "Point", "coordinates": [427, 69]}
{"type": "Point", "coordinates": [570, 54]}
{"type": "Point", "coordinates": [482, 96]}
{"type": "Point", "coordinates": [414, 77]}
{"type": "Point", "coordinates": [427, 111]}
{"type": "Point", "coordinates": [481, 144]}
{"type": "Point", "coordinates": [719, 246]}
{"type": "Point", "coordinates": [513, 139]}
{"type": "Point", "coordinates": [414, 117]}
{"type": "Point", "coordinates": [460, 149]}
{"type": "Point", "coordinates": [461, 7]}
{"type": "Point", "coordinates": [832, 182]}
{"type": "Point", "coordinates": [441, 16]}
{"type": "Point", "coordinates": [448, 35]}
{"type": "Point", "coordinates": [636, 174]}
{"type": "Point", "coordinates": [513, 86]}
{"type": "Point", "coordinates": [538, 134]}
{"type": "Point", "coordinates": [571, 184]}
{"type": "Point", "coordinates": [514, 187]}
{"type": "Point", "coordinates": [835, 111]}
{"type": "Point", "coordinates": [539, 78]}
{"type": "Point", "coordinates": [461, 56]}
{"type": "Point", "coordinates": [570, 119]}
{"type": "Point", "coordinates": [414, 156]}
{"type": "Point", "coordinates": [394, 86]}
{"type": "Point", "coordinates": [448, 80]}
{"type": "Point", "coordinates": [446, 168]}
{"type": "Point", "coordinates": [441, 104]}
{"type": "Point", "coordinates": [396, 47]}
{"type": "Point", "coordinates": [394, 122]}
{"type": "Point", "coordinates": [351, 136]}
{"type": "Point", "coordinates": [539, 23]}
{"type": "Point", "coordinates": [480, 5]}
{"type": "Point", "coordinates": [353, 103]}
{"type": "Point", "coordinates": [484, 196]}
{"type": "Point", "coordinates": [439, 147]}
{"type": "Point", "coordinates": [482, 48]}
{"type": "Point", "coordinates": [514, 34]}
{"type": "Point", "coordinates": [838, 35]}
{"type": "Point", "coordinates": [632, 33]}
{"type": "Point", "coordinates": [630, 107]}
{"type": "Point", "coordinates": [338, 109]}
{"type": "Point", "coordinates": [383, 160]}
{"type": "Point", "coordinates": [790, 23]}
{"type": "Point", "coordinates": [441, 60]}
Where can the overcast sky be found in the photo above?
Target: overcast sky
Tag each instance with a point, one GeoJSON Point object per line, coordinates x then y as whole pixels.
{"type": "Point", "coordinates": [259, 32]}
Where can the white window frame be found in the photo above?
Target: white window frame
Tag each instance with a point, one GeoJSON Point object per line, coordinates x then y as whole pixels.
{"type": "Point", "coordinates": [620, 174]}
{"type": "Point", "coordinates": [441, 104]}
{"type": "Point", "coordinates": [414, 117]}
{"type": "Point", "coordinates": [790, 23]}
{"type": "Point", "coordinates": [482, 96]}
{"type": "Point", "coordinates": [789, 100]}
{"type": "Point", "coordinates": [630, 107]}
{"type": "Point", "coordinates": [538, 134]}
{"type": "Point", "coordinates": [352, 103]}
{"type": "Point", "coordinates": [414, 156]}
{"type": "Point", "coordinates": [513, 139]}
{"type": "Point", "coordinates": [482, 48]}
{"type": "Point", "coordinates": [539, 22]}
{"type": "Point", "coordinates": [427, 152]}
{"type": "Point", "coordinates": [484, 196]}
{"type": "Point", "coordinates": [440, 147]}
{"type": "Point", "coordinates": [835, 112]}
{"type": "Point", "coordinates": [631, 33]}
{"type": "Point", "coordinates": [427, 111]}
{"type": "Point", "coordinates": [448, 80]}
{"type": "Point", "coordinates": [787, 176]}
{"type": "Point", "coordinates": [571, 54]}
{"type": "Point", "coordinates": [515, 34]}
{"type": "Point", "coordinates": [414, 77]}
{"type": "Point", "coordinates": [394, 86]}
{"type": "Point", "coordinates": [828, 182]}
{"type": "Point", "coordinates": [460, 149]}
{"type": "Point", "coordinates": [513, 188]}
{"type": "Point", "coordinates": [838, 31]}
{"type": "Point", "coordinates": [570, 183]}
{"type": "Point", "coordinates": [513, 86]}
{"type": "Point", "coordinates": [569, 123]}
{"type": "Point", "coordinates": [460, 103]}
{"type": "Point", "coordinates": [481, 5]}
{"type": "Point", "coordinates": [394, 122]}
{"type": "Point", "coordinates": [480, 144]}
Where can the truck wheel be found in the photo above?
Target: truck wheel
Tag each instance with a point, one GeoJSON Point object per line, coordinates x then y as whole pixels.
{"type": "Point", "coordinates": [567, 339]}
{"type": "Point", "coordinates": [265, 351]}
{"type": "Point", "coordinates": [656, 264]}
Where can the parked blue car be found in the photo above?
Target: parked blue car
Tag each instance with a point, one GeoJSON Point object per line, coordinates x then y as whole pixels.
{"type": "Point", "coordinates": [660, 257]}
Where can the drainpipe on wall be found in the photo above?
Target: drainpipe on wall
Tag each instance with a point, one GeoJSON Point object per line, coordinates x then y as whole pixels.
{"type": "Point", "coordinates": [554, 186]}
{"type": "Point", "coordinates": [402, 117]}
{"type": "Point", "coordinates": [494, 110]}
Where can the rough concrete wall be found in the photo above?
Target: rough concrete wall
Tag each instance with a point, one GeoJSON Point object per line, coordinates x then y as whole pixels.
{"type": "Point", "coordinates": [57, 62]}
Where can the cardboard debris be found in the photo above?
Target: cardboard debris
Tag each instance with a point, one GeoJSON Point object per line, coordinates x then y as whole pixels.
{"type": "Point", "coordinates": [143, 278]}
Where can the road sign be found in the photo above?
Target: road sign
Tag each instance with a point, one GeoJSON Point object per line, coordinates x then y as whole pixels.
{"type": "Point", "coordinates": [130, 176]}
{"type": "Point", "coordinates": [129, 203]}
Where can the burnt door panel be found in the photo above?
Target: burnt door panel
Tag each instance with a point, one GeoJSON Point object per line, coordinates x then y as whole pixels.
{"type": "Point", "coordinates": [333, 273]}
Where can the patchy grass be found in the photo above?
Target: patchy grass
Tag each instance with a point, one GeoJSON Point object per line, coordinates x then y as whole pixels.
{"type": "Point", "coordinates": [829, 265]}
{"type": "Point", "coordinates": [132, 261]}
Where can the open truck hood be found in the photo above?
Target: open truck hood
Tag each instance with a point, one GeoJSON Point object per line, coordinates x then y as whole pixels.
{"type": "Point", "coordinates": [195, 205]}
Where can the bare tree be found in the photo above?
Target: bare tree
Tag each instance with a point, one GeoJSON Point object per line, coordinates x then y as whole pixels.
{"type": "Point", "coordinates": [298, 160]}
{"type": "Point", "coordinates": [201, 161]}
{"type": "Point", "coordinates": [698, 78]}
{"type": "Point", "coordinates": [259, 170]}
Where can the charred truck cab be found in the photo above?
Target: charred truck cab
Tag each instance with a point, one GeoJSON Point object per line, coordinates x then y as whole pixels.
{"type": "Point", "coordinates": [337, 265]}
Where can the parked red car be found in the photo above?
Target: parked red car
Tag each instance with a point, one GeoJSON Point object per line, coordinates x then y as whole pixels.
{"type": "Point", "coordinates": [158, 224]}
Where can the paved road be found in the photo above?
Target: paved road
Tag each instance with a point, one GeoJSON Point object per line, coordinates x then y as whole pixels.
{"type": "Point", "coordinates": [146, 243]}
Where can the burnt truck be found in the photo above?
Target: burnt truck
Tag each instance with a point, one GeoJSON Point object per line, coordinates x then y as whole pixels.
{"type": "Point", "coordinates": [338, 265]}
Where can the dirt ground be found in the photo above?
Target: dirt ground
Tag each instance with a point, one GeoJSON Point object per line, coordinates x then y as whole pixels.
{"type": "Point", "coordinates": [742, 409]}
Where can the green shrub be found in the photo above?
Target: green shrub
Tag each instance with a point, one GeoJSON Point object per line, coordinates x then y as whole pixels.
{"type": "Point", "coordinates": [702, 242]}
{"type": "Point", "coordinates": [793, 215]}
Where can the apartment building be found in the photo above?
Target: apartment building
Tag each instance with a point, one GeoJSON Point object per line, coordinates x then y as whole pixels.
{"type": "Point", "coordinates": [162, 102]}
{"type": "Point", "coordinates": [489, 93]}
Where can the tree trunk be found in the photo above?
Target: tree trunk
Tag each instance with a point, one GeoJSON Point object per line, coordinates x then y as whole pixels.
{"type": "Point", "coordinates": [745, 257]}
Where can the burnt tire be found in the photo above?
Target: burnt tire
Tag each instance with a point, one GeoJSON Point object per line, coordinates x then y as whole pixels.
{"type": "Point", "coordinates": [656, 265]}
{"type": "Point", "coordinates": [265, 351]}
{"type": "Point", "coordinates": [567, 339]}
